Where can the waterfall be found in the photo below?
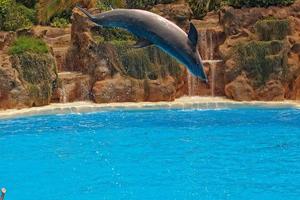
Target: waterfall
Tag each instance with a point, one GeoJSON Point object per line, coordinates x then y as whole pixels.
{"type": "Point", "coordinates": [63, 95]}
{"type": "Point", "coordinates": [207, 54]}
{"type": "Point", "coordinates": [213, 76]}
{"type": "Point", "coordinates": [190, 87]}
{"type": "Point", "coordinates": [206, 49]}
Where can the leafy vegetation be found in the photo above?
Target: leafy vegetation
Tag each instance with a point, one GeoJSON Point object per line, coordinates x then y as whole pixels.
{"type": "Point", "coordinates": [59, 22]}
{"type": "Point", "coordinates": [112, 34]}
{"type": "Point", "coordinates": [107, 4]}
{"type": "Point", "coordinates": [142, 4]}
{"type": "Point", "coordinates": [28, 3]}
{"type": "Point", "coordinates": [272, 29]}
{"type": "Point", "coordinates": [46, 9]}
{"type": "Point", "coordinates": [39, 72]}
{"type": "Point", "coordinates": [258, 3]}
{"type": "Point", "coordinates": [147, 63]}
{"type": "Point", "coordinates": [14, 16]}
{"type": "Point", "coordinates": [201, 7]}
{"type": "Point", "coordinates": [262, 58]}
{"type": "Point", "coordinates": [28, 44]}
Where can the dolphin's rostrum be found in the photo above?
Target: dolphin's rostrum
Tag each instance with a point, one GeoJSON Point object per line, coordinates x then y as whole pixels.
{"type": "Point", "coordinates": [152, 29]}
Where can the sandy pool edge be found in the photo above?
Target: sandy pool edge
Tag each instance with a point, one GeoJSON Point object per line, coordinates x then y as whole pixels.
{"type": "Point", "coordinates": [184, 103]}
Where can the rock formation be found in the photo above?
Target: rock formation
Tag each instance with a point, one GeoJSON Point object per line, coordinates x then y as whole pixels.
{"type": "Point", "coordinates": [119, 73]}
{"type": "Point", "coordinates": [256, 53]}
{"type": "Point", "coordinates": [262, 44]}
{"type": "Point", "coordinates": [26, 79]}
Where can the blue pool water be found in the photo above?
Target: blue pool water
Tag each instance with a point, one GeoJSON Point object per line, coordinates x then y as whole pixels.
{"type": "Point", "coordinates": [236, 154]}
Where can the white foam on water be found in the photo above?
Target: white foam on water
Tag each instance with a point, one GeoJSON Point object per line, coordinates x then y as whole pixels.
{"type": "Point", "coordinates": [184, 103]}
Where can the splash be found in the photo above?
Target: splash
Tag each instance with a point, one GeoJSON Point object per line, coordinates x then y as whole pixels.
{"type": "Point", "coordinates": [184, 103]}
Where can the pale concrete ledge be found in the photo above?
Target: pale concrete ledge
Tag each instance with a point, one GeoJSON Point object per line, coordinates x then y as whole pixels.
{"type": "Point", "coordinates": [182, 103]}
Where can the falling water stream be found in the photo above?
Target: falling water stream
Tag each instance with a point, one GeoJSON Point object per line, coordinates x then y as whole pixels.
{"type": "Point", "coordinates": [207, 54]}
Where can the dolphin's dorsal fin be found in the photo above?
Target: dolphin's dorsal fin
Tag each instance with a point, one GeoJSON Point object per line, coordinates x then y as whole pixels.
{"type": "Point", "coordinates": [141, 43]}
{"type": "Point", "coordinates": [193, 34]}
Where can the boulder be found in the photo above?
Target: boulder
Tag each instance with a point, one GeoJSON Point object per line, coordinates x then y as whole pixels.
{"type": "Point", "coordinates": [296, 90]}
{"type": "Point", "coordinates": [13, 93]}
{"type": "Point", "coordinates": [272, 91]}
{"type": "Point", "coordinates": [160, 90]}
{"type": "Point", "coordinates": [72, 86]}
{"type": "Point", "coordinates": [58, 39]}
{"type": "Point", "coordinates": [38, 73]}
{"type": "Point", "coordinates": [26, 80]}
{"type": "Point", "coordinates": [118, 89]}
{"type": "Point", "coordinates": [240, 89]}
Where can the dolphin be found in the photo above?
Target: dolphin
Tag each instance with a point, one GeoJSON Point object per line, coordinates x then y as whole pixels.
{"type": "Point", "coordinates": [152, 29]}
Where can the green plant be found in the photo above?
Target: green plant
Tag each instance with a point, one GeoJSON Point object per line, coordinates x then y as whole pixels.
{"type": "Point", "coordinates": [28, 44]}
{"type": "Point", "coordinates": [14, 16]}
{"type": "Point", "coordinates": [4, 10]}
{"type": "Point", "coordinates": [107, 4]}
{"type": "Point", "coordinates": [258, 3]}
{"type": "Point", "coordinates": [46, 9]}
{"type": "Point", "coordinates": [59, 22]}
{"type": "Point", "coordinates": [111, 34]}
{"type": "Point", "coordinates": [201, 7]}
{"type": "Point", "coordinates": [27, 3]}
{"type": "Point", "coordinates": [272, 29]}
{"type": "Point", "coordinates": [146, 63]}
{"type": "Point", "coordinates": [261, 58]}
{"type": "Point", "coordinates": [38, 74]}
{"type": "Point", "coordinates": [142, 4]}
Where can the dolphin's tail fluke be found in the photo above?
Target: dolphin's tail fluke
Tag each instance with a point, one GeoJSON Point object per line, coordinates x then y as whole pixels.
{"type": "Point", "coordinates": [91, 17]}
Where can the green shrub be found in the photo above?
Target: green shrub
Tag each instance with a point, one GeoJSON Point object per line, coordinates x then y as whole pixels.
{"type": "Point", "coordinates": [98, 39]}
{"type": "Point", "coordinates": [14, 16]}
{"type": "Point", "coordinates": [272, 29]}
{"type": "Point", "coordinates": [39, 72]}
{"type": "Point", "coordinates": [59, 22]}
{"type": "Point", "coordinates": [201, 7]}
{"type": "Point", "coordinates": [142, 4]}
{"type": "Point", "coordinates": [107, 4]}
{"type": "Point", "coordinates": [169, 66]}
{"type": "Point", "coordinates": [112, 34]}
{"type": "Point", "coordinates": [61, 19]}
{"type": "Point", "coordinates": [28, 44]}
{"type": "Point", "coordinates": [28, 3]}
{"type": "Point", "coordinates": [258, 3]}
{"type": "Point", "coordinates": [4, 10]}
{"type": "Point", "coordinates": [146, 63]}
{"type": "Point", "coordinates": [261, 58]}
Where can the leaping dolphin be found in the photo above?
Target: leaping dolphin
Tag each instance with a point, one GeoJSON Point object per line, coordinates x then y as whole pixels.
{"type": "Point", "coordinates": [152, 29]}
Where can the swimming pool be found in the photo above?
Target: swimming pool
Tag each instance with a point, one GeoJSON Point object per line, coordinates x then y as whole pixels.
{"type": "Point", "coordinates": [241, 153]}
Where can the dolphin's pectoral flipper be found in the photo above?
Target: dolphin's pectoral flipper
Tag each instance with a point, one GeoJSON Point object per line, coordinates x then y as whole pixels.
{"type": "Point", "coordinates": [141, 43]}
{"type": "Point", "coordinates": [91, 17]}
{"type": "Point", "coordinates": [193, 35]}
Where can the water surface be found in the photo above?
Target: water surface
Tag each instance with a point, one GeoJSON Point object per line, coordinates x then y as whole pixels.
{"type": "Point", "coordinates": [241, 153]}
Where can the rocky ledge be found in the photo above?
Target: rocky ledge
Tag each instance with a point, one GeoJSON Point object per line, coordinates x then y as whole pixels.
{"type": "Point", "coordinates": [257, 52]}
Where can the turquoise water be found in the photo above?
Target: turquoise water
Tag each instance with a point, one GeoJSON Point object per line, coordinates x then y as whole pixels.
{"type": "Point", "coordinates": [245, 153]}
